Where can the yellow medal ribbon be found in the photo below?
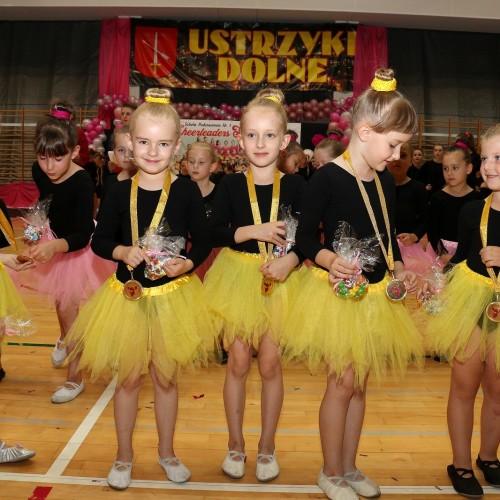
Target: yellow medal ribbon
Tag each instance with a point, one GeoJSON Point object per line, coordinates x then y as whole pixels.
{"type": "Point", "coordinates": [162, 202]}
{"type": "Point", "coordinates": [7, 231]}
{"type": "Point", "coordinates": [396, 289]}
{"type": "Point", "coordinates": [267, 283]}
{"type": "Point", "coordinates": [493, 308]}
{"type": "Point", "coordinates": [132, 289]}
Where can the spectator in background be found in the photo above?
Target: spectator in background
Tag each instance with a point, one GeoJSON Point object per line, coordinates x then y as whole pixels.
{"type": "Point", "coordinates": [327, 150]}
{"type": "Point", "coordinates": [417, 161]}
{"type": "Point", "coordinates": [128, 109]}
{"type": "Point", "coordinates": [292, 158]}
{"type": "Point", "coordinates": [465, 140]}
{"type": "Point", "coordinates": [432, 170]}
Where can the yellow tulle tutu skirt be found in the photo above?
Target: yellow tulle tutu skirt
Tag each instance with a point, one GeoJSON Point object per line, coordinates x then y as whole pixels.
{"type": "Point", "coordinates": [452, 332]}
{"type": "Point", "coordinates": [369, 334]}
{"type": "Point", "coordinates": [167, 327]}
{"type": "Point", "coordinates": [13, 313]}
{"type": "Point", "coordinates": [233, 294]}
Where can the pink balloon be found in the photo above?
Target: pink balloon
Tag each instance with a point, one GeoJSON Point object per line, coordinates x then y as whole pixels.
{"type": "Point", "coordinates": [119, 125]}
{"type": "Point", "coordinates": [345, 140]}
{"type": "Point", "coordinates": [334, 117]}
{"type": "Point", "coordinates": [95, 121]}
{"type": "Point", "coordinates": [93, 134]}
{"type": "Point", "coordinates": [343, 124]}
{"type": "Point", "coordinates": [200, 115]}
{"type": "Point", "coordinates": [118, 113]}
{"type": "Point", "coordinates": [89, 127]}
{"type": "Point", "coordinates": [99, 128]}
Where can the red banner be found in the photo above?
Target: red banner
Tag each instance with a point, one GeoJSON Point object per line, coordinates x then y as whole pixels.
{"type": "Point", "coordinates": [155, 53]}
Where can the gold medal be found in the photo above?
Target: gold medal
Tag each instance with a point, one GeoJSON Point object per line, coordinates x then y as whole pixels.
{"type": "Point", "coordinates": [267, 286]}
{"type": "Point", "coordinates": [493, 308]}
{"type": "Point", "coordinates": [493, 312]}
{"type": "Point", "coordinates": [132, 290]}
{"type": "Point", "coordinates": [396, 290]}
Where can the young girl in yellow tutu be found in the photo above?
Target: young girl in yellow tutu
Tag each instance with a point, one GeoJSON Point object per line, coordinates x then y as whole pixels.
{"type": "Point", "coordinates": [12, 309]}
{"type": "Point", "coordinates": [354, 337]}
{"type": "Point", "coordinates": [14, 317]}
{"type": "Point", "coordinates": [143, 319]}
{"type": "Point", "coordinates": [467, 330]}
{"type": "Point", "coordinates": [249, 290]}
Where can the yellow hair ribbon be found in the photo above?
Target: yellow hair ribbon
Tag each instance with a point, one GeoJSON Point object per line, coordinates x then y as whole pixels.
{"type": "Point", "coordinates": [159, 100]}
{"type": "Point", "coordinates": [383, 85]}
{"type": "Point", "coordinates": [273, 98]}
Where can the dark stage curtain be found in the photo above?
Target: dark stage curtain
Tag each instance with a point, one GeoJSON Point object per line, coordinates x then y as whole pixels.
{"type": "Point", "coordinates": [41, 60]}
{"type": "Point", "coordinates": [448, 74]}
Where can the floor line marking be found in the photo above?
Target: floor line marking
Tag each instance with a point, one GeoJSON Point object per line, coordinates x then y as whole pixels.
{"type": "Point", "coordinates": [69, 451]}
{"type": "Point", "coordinates": [226, 487]}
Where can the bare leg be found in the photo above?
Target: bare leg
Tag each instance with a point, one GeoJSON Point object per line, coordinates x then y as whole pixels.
{"type": "Point", "coordinates": [490, 412]}
{"type": "Point", "coordinates": [465, 380]}
{"type": "Point", "coordinates": [238, 368]}
{"type": "Point", "coordinates": [272, 393]}
{"type": "Point", "coordinates": [74, 374]}
{"type": "Point", "coordinates": [66, 317]}
{"type": "Point", "coordinates": [354, 424]}
{"type": "Point", "coordinates": [166, 399]}
{"type": "Point", "coordinates": [125, 405]}
{"type": "Point", "coordinates": [332, 421]}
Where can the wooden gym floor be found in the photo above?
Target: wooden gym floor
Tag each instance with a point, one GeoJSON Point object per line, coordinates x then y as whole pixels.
{"type": "Point", "coordinates": [404, 445]}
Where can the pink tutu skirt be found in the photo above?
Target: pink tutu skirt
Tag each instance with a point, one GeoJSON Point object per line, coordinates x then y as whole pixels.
{"type": "Point", "coordinates": [70, 278]}
{"type": "Point", "coordinates": [415, 258]}
{"type": "Point", "coordinates": [450, 247]}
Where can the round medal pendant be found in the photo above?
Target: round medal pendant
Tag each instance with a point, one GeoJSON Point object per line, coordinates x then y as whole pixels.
{"type": "Point", "coordinates": [132, 290]}
{"type": "Point", "coordinates": [493, 312]}
{"type": "Point", "coordinates": [267, 286]}
{"type": "Point", "coordinates": [396, 290]}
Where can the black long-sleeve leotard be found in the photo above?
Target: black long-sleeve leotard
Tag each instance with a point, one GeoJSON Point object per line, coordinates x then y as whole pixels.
{"type": "Point", "coordinates": [72, 206]}
{"type": "Point", "coordinates": [232, 208]}
{"type": "Point", "coordinates": [332, 196]}
{"type": "Point", "coordinates": [184, 212]}
{"type": "Point", "coordinates": [469, 236]}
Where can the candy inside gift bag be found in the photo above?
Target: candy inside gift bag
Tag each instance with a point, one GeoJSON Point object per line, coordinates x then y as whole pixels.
{"type": "Point", "coordinates": [160, 246]}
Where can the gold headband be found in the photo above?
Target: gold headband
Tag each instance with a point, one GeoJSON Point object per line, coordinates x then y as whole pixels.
{"type": "Point", "coordinates": [383, 85]}
{"type": "Point", "coordinates": [273, 98]}
{"type": "Point", "coordinates": [159, 100]}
